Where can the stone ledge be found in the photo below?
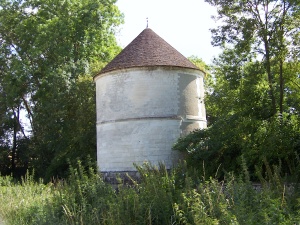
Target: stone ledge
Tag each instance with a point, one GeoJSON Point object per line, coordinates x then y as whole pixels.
{"type": "Point", "coordinates": [120, 177]}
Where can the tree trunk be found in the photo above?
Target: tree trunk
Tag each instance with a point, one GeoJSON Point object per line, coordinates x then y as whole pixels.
{"type": "Point", "coordinates": [281, 87]}
{"type": "Point", "coordinates": [14, 147]}
{"type": "Point", "coordinates": [270, 79]}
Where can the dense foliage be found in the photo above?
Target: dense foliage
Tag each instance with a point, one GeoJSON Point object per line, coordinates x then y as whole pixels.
{"type": "Point", "coordinates": [253, 93]}
{"type": "Point", "coordinates": [49, 52]}
{"type": "Point", "coordinates": [178, 197]}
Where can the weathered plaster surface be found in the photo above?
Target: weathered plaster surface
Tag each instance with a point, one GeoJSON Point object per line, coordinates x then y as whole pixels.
{"type": "Point", "coordinates": [141, 112]}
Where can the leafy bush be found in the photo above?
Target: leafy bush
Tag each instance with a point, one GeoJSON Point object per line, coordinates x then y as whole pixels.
{"type": "Point", "coordinates": [224, 145]}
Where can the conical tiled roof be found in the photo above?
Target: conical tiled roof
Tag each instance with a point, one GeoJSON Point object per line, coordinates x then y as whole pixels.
{"type": "Point", "coordinates": [148, 49]}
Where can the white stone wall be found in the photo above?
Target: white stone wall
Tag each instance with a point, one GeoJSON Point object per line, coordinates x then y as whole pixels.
{"type": "Point", "coordinates": [141, 112]}
{"type": "Point", "coordinates": [136, 141]}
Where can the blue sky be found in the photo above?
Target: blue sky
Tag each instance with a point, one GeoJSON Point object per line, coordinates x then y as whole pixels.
{"type": "Point", "coordinates": [183, 24]}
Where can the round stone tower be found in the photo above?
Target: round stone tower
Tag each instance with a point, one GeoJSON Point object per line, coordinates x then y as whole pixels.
{"type": "Point", "coordinates": [147, 97]}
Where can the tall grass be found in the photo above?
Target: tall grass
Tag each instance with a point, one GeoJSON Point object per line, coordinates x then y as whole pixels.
{"type": "Point", "coordinates": [24, 202]}
{"type": "Point", "coordinates": [159, 197]}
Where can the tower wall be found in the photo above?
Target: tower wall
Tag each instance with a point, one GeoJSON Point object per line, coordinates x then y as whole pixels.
{"type": "Point", "coordinates": [142, 111]}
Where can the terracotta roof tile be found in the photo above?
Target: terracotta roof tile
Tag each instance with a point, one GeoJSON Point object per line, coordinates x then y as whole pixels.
{"type": "Point", "coordinates": [148, 49]}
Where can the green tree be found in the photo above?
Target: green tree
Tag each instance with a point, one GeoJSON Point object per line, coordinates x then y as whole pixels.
{"type": "Point", "coordinates": [12, 134]}
{"type": "Point", "coordinates": [253, 106]}
{"type": "Point", "coordinates": [50, 50]}
{"type": "Point", "coordinates": [264, 30]}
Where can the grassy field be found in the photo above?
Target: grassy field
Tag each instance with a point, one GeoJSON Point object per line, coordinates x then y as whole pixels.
{"type": "Point", "coordinates": [161, 197]}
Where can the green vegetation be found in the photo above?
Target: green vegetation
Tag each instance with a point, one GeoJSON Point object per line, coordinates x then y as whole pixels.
{"type": "Point", "coordinates": [161, 197]}
{"type": "Point", "coordinates": [49, 53]}
{"type": "Point", "coordinates": [50, 50]}
{"type": "Point", "coordinates": [252, 98]}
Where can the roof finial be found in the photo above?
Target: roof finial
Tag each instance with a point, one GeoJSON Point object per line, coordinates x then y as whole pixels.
{"type": "Point", "coordinates": [147, 22]}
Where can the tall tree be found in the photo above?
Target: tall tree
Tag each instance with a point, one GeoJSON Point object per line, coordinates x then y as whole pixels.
{"type": "Point", "coordinates": [266, 30]}
{"type": "Point", "coordinates": [49, 50]}
{"type": "Point", "coordinates": [253, 103]}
